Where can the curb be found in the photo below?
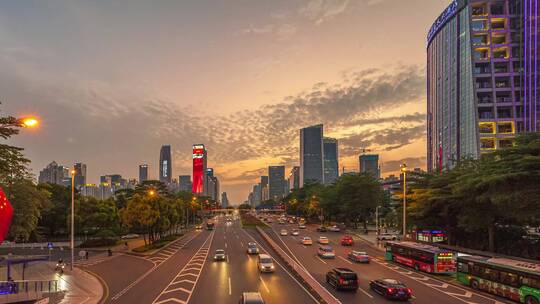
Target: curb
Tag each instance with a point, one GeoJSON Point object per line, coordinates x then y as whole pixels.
{"type": "Point", "coordinates": [149, 253]}
{"type": "Point", "coordinates": [104, 286]}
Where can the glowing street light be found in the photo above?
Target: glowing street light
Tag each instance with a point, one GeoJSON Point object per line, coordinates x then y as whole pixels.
{"type": "Point", "coordinates": [403, 169]}
{"type": "Point", "coordinates": [29, 122]}
{"type": "Point", "coordinates": [73, 172]}
{"type": "Point", "coordinates": [152, 193]}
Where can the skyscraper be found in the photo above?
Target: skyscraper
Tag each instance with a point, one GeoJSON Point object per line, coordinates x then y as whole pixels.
{"type": "Point", "coordinates": [199, 168]}
{"type": "Point", "coordinates": [55, 174]}
{"type": "Point", "coordinates": [165, 164]}
{"type": "Point", "coordinates": [224, 200]}
{"type": "Point", "coordinates": [311, 155]}
{"type": "Point", "coordinates": [276, 181]}
{"type": "Point", "coordinates": [264, 188]}
{"type": "Point", "coordinates": [482, 61]}
{"type": "Point", "coordinates": [331, 166]}
{"type": "Point", "coordinates": [80, 175]}
{"type": "Point", "coordinates": [369, 163]}
{"type": "Point", "coordinates": [184, 183]}
{"type": "Point", "coordinates": [294, 178]}
{"type": "Point", "coordinates": [143, 173]}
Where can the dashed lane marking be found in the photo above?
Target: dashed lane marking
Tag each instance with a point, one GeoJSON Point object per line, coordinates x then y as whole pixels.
{"type": "Point", "coordinates": [346, 260]}
{"type": "Point", "coordinates": [180, 289]}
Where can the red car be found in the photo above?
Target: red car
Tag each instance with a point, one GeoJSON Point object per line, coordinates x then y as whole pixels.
{"type": "Point", "coordinates": [347, 240]}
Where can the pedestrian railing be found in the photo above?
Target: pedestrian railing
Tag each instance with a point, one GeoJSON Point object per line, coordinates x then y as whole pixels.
{"type": "Point", "coordinates": [17, 287]}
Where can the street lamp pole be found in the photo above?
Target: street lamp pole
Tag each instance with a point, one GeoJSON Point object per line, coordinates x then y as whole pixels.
{"type": "Point", "coordinates": [377, 219]}
{"type": "Point", "coordinates": [72, 218]}
{"type": "Point", "coordinates": [404, 171]}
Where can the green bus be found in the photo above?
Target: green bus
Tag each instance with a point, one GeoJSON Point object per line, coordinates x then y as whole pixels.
{"type": "Point", "coordinates": [513, 279]}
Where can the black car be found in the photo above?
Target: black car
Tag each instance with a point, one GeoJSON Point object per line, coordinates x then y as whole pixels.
{"type": "Point", "coordinates": [342, 279]}
{"type": "Point", "coordinates": [321, 229]}
{"type": "Point", "coordinates": [391, 289]}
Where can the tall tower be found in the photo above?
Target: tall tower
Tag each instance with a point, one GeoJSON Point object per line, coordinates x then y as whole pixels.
{"type": "Point", "coordinates": [311, 155]}
{"type": "Point", "coordinates": [331, 166]}
{"type": "Point", "coordinates": [199, 169]}
{"type": "Point", "coordinates": [165, 164]}
{"type": "Point", "coordinates": [143, 173]}
{"type": "Point", "coordinates": [80, 175]}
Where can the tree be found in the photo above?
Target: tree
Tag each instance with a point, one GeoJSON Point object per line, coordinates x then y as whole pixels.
{"type": "Point", "coordinates": [139, 214]}
{"type": "Point", "coordinates": [27, 201]}
{"type": "Point", "coordinates": [54, 219]}
{"type": "Point", "coordinates": [244, 207]}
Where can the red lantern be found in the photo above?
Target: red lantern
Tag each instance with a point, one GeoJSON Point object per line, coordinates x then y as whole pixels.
{"type": "Point", "coordinates": [6, 213]}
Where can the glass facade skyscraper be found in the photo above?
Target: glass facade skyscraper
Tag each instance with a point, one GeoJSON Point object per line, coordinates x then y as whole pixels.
{"type": "Point", "coordinates": [482, 60]}
{"type": "Point", "coordinates": [165, 165]}
{"type": "Point", "coordinates": [276, 182]}
{"type": "Point", "coordinates": [311, 155]}
{"type": "Point", "coordinates": [143, 173]}
{"type": "Point", "coordinates": [331, 166]}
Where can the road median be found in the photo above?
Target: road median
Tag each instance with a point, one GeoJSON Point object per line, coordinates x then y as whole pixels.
{"type": "Point", "coordinates": [312, 285]}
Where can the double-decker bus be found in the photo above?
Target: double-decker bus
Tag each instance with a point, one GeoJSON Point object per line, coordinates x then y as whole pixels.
{"type": "Point", "coordinates": [512, 279]}
{"type": "Point", "coordinates": [421, 257]}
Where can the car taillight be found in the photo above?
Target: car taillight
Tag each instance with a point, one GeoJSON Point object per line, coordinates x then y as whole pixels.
{"type": "Point", "coordinates": [391, 290]}
{"type": "Point", "coordinates": [341, 281]}
{"type": "Point", "coordinates": [409, 291]}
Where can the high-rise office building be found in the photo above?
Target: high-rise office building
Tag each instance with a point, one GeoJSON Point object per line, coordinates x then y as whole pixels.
{"type": "Point", "coordinates": [276, 182]}
{"type": "Point", "coordinates": [80, 175]}
{"type": "Point", "coordinates": [184, 183]}
{"type": "Point", "coordinates": [369, 163]}
{"type": "Point", "coordinates": [55, 174]}
{"type": "Point", "coordinates": [294, 178]}
{"type": "Point", "coordinates": [199, 169]}
{"type": "Point", "coordinates": [165, 164]}
{"type": "Point", "coordinates": [482, 84]}
{"type": "Point", "coordinates": [311, 155]}
{"type": "Point", "coordinates": [224, 200]}
{"type": "Point", "coordinates": [331, 165]}
{"type": "Point", "coordinates": [143, 173]}
{"type": "Point", "coordinates": [264, 188]}
{"type": "Point", "coordinates": [256, 195]}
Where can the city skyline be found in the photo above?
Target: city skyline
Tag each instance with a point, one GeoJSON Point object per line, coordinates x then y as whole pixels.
{"type": "Point", "coordinates": [113, 119]}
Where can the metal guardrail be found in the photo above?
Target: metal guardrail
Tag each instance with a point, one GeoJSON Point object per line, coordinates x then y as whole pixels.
{"type": "Point", "coordinates": [18, 287]}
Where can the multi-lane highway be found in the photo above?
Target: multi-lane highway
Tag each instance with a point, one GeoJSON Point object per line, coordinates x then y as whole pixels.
{"type": "Point", "coordinates": [426, 289]}
{"type": "Point", "coordinates": [185, 271]}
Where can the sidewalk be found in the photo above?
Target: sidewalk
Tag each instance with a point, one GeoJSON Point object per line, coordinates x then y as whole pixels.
{"type": "Point", "coordinates": [77, 286]}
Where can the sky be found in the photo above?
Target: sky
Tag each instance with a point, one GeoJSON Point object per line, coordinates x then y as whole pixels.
{"type": "Point", "coordinates": [112, 81]}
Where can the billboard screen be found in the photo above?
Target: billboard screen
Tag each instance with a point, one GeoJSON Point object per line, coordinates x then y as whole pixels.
{"type": "Point", "coordinates": [198, 168]}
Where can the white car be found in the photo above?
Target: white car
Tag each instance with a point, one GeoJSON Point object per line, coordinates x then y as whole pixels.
{"type": "Point", "coordinates": [283, 232]}
{"type": "Point", "coordinates": [130, 236]}
{"type": "Point", "coordinates": [307, 241]}
{"type": "Point", "coordinates": [301, 226]}
{"type": "Point", "coordinates": [220, 255]}
{"type": "Point", "coordinates": [326, 252]}
{"type": "Point", "coordinates": [265, 263]}
{"type": "Point", "coordinates": [387, 237]}
{"type": "Point", "coordinates": [334, 229]}
{"type": "Point", "coordinates": [295, 232]}
{"type": "Point", "coordinates": [323, 240]}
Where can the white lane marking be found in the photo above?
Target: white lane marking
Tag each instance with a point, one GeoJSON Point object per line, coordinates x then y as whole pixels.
{"type": "Point", "coordinates": [121, 293]}
{"type": "Point", "coordinates": [321, 260]}
{"type": "Point", "coordinates": [365, 292]}
{"type": "Point", "coordinates": [346, 260]}
{"type": "Point", "coordinates": [264, 284]}
{"type": "Point", "coordinates": [225, 245]}
{"type": "Point", "coordinates": [230, 287]}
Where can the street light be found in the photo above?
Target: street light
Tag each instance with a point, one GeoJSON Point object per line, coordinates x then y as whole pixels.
{"type": "Point", "coordinates": [377, 219]}
{"type": "Point", "coordinates": [151, 192]}
{"type": "Point", "coordinates": [72, 218]}
{"type": "Point", "coordinates": [29, 122]}
{"type": "Point", "coordinates": [403, 168]}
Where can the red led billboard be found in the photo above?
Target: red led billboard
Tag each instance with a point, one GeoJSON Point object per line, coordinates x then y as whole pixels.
{"type": "Point", "coordinates": [198, 168]}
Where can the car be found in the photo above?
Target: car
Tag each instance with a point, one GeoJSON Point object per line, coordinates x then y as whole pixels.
{"type": "Point", "coordinates": [251, 298]}
{"type": "Point", "coordinates": [291, 221]}
{"type": "Point", "coordinates": [265, 263]}
{"type": "Point", "coordinates": [391, 289]}
{"type": "Point", "coordinates": [307, 241]}
{"type": "Point", "coordinates": [323, 240]}
{"type": "Point", "coordinates": [342, 279]}
{"type": "Point", "coordinates": [301, 226]}
{"type": "Point", "coordinates": [387, 237]}
{"type": "Point", "coordinates": [326, 252]}
{"type": "Point", "coordinates": [334, 229]}
{"type": "Point", "coordinates": [198, 227]}
{"type": "Point", "coordinates": [252, 248]}
{"type": "Point", "coordinates": [130, 236]}
{"type": "Point", "coordinates": [283, 232]}
{"type": "Point", "coordinates": [347, 241]}
{"type": "Point", "coordinates": [281, 222]}
{"type": "Point", "coordinates": [219, 255]}
{"type": "Point", "coordinates": [358, 256]}
{"type": "Point", "coordinates": [295, 232]}
{"type": "Point", "coordinates": [321, 229]}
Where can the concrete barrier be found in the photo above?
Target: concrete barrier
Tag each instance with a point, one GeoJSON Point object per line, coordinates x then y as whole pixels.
{"type": "Point", "coordinates": [302, 274]}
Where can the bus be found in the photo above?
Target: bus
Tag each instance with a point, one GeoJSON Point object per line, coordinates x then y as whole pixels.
{"type": "Point", "coordinates": [421, 257]}
{"type": "Point", "coordinates": [512, 279]}
{"type": "Point", "coordinates": [210, 225]}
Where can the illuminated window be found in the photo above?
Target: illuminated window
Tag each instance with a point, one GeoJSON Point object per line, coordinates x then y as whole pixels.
{"type": "Point", "coordinates": [498, 38]}
{"type": "Point", "coordinates": [506, 143]}
{"type": "Point", "coordinates": [479, 10]}
{"type": "Point", "coordinates": [487, 127]}
{"type": "Point", "coordinates": [498, 24]}
{"type": "Point", "coordinates": [480, 39]}
{"type": "Point", "coordinates": [500, 53]}
{"type": "Point", "coordinates": [505, 127]}
{"type": "Point", "coordinates": [481, 54]}
{"type": "Point", "coordinates": [480, 25]}
{"type": "Point", "coordinates": [487, 143]}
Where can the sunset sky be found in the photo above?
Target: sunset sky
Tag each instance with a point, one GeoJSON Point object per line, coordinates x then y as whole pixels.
{"type": "Point", "coordinates": [114, 80]}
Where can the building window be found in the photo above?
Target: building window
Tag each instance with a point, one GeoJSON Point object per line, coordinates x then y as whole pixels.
{"type": "Point", "coordinates": [480, 25]}
{"type": "Point", "coordinates": [498, 24]}
{"type": "Point", "coordinates": [479, 10]}
{"type": "Point", "coordinates": [497, 8]}
{"type": "Point", "coordinates": [505, 127]}
{"type": "Point", "coordinates": [498, 38]}
{"type": "Point", "coordinates": [506, 143]}
{"type": "Point", "coordinates": [501, 67]}
{"type": "Point", "coordinates": [502, 82]}
{"type": "Point", "coordinates": [482, 68]}
{"type": "Point", "coordinates": [500, 53]}
{"type": "Point", "coordinates": [504, 97]}
{"type": "Point", "coordinates": [480, 39]}
{"type": "Point", "coordinates": [481, 54]}
{"type": "Point", "coordinates": [485, 113]}
{"type": "Point", "coordinates": [504, 112]}
{"type": "Point", "coordinates": [487, 143]}
{"type": "Point", "coordinates": [486, 127]}
{"type": "Point", "coordinates": [484, 97]}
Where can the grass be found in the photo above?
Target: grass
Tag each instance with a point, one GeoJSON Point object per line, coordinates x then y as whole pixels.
{"type": "Point", "coordinates": [249, 220]}
{"type": "Point", "coordinates": [157, 244]}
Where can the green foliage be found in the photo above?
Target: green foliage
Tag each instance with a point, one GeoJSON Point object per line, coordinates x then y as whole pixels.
{"type": "Point", "coordinates": [27, 201]}
{"type": "Point", "coordinates": [244, 207]}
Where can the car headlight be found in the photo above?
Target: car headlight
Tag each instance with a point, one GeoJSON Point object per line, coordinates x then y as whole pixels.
{"type": "Point", "coordinates": [272, 267]}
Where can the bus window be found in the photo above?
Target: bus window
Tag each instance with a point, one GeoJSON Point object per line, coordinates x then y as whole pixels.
{"type": "Point", "coordinates": [476, 270]}
{"type": "Point", "coordinates": [490, 274]}
{"type": "Point", "coordinates": [528, 281]}
{"type": "Point", "coordinates": [462, 267]}
{"type": "Point", "coordinates": [509, 279]}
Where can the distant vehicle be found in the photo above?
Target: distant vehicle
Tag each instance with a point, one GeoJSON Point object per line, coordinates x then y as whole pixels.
{"type": "Point", "coordinates": [130, 236]}
{"type": "Point", "coordinates": [251, 298]}
{"type": "Point", "coordinates": [252, 248]}
{"type": "Point", "coordinates": [291, 221]}
{"type": "Point", "coordinates": [334, 229]}
{"type": "Point", "coordinates": [342, 279]}
{"type": "Point", "coordinates": [391, 289]}
{"type": "Point", "coordinates": [358, 256]}
{"type": "Point", "coordinates": [323, 240]}
{"type": "Point", "coordinates": [198, 227]}
{"type": "Point", "coordinates": [387, 237]}
{"type": "Point", "coordinates": [265, 263]}
{"type": "Point", "coordinates": [421, 257]}
{"type": "Point", "coordinates": [283, 232]}
{"type": "Point", "coordinates": [301, 226]}
{"type": "Point", "coordinates": [347, 241]}
{"type": "Point", "coordinates": [307, 241]}
{"type": "Point", "coordinates": [220, 255]}
{"type": "Point", "coordinates": [281, 222]}
{"type": "Point", "coordinates": [326, 252]}
{"type": "Point", "coordinates": [321, 229]}
{"type": "Point", "coordinates": [210, 225]}
{"type": "Point", "coordinates": [520, 280]}
{"type": "Point", "coordinates": [295, 232]}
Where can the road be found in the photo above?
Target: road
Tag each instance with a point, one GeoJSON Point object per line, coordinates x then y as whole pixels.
{"type": "Point", "coordinates": [185, 272]}
{"type": "Point", "coordinates": [426, 290]}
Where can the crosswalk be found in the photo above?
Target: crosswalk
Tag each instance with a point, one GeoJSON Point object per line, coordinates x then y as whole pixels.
{"type": "Point", "coordinates": [165, 253]}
